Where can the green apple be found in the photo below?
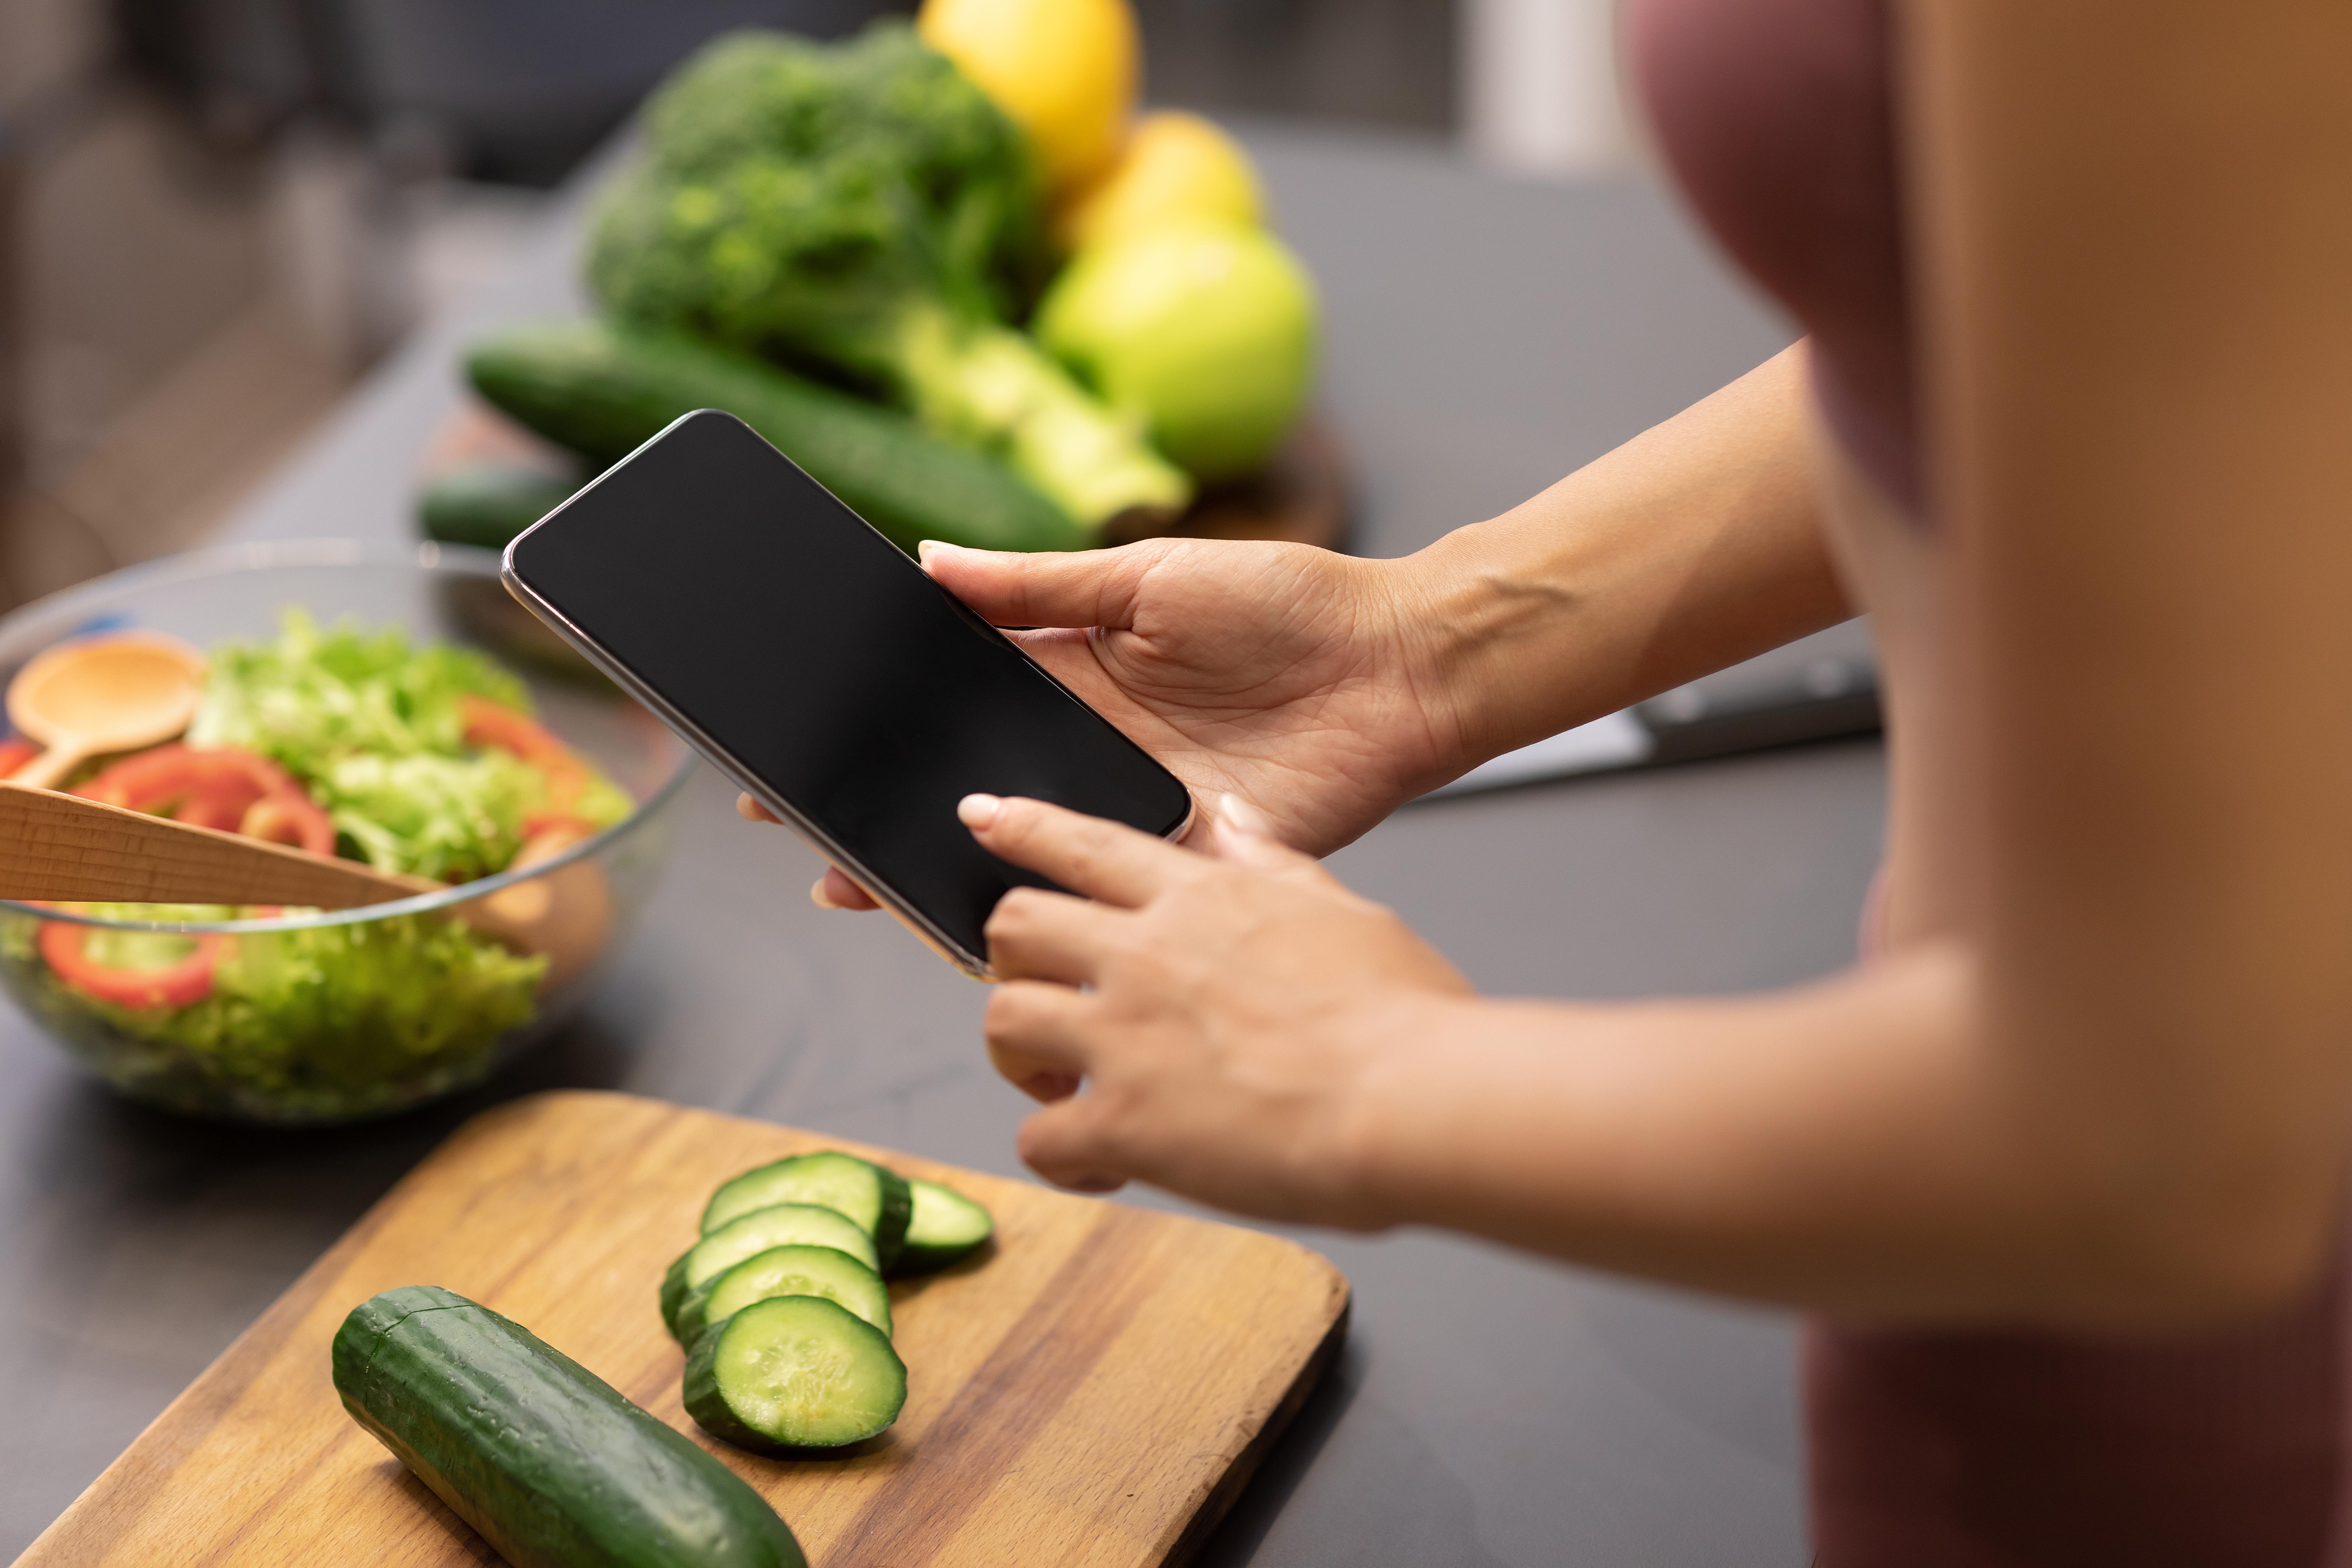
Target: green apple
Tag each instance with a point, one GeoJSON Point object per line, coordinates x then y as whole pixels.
{"type": "Point", "coordinates": [1203, 330]}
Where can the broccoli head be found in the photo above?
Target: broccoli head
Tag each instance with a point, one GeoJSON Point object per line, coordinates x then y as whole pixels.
{"type": "Point", "coordinates": [863, 209]}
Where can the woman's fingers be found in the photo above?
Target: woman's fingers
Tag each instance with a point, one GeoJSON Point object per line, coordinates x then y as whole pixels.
{"type": "Point", "coordinates": [1087, 855]}
{"type": "Point", "coordinates": [1008, 588]}
{"type": "Point", "coordinates": [1063, 1144]}
{"type": "Point", "coordinates": [1038, 1079]}
{"type": "Point", "coordinates": [1037, 1037]}
{"type": "Point", "coordinates": [1036, 936]}
{"type": "Point", "coordinates": [836, 891]}
{"type": "Point", "coordinates": [833, 890]}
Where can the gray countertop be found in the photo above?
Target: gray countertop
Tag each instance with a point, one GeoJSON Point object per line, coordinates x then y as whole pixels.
{"type": "Point", "coordinates": [1485, 337]}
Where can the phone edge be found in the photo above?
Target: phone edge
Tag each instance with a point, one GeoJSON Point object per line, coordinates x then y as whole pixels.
{"type": "Point", "coordinates": [972, 965]}
{"type": "Point", "coordinates": [946, 946]}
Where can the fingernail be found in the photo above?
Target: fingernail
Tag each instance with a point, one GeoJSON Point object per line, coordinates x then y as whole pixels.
{"type": "Point", "coordinates": [978, 812]}
{"type": "Point", "coordinates": [817, 896]}
{"type": "Point", "coordinates": [746, 809]}
{"type": "Point", "coordinates": [923, 550]}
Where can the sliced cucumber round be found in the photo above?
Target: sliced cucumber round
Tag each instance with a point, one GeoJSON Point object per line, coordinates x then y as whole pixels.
{"type": "Point", "coordinates": [945, 1225]}
{"type": "Point", "coordinates": [876, 1198]}
{"type": "Point", "coordinates": [787, 1271]}
{"type": "Point", "coordinates": [673, 1292]}
{"type": "Point", "coordinates": [785, 1224]}
{"type": "Point", "coordinates": [793, 1372]}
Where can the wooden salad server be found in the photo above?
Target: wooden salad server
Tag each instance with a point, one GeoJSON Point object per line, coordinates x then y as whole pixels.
{"type": "Point", "coordinates": [63, 848]}
{"type": "Point", "coordinates": [120, 692]}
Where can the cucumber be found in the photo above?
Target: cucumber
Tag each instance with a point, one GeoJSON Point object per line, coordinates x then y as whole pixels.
{"type": "Point", "coordinates": [944, 1226]}
{"type": "Point", "coordinates": [487, 504]}
{"type": "Point", "coordinates": [785, 1225]}
{"type": "Point", "coordinates": [876, 1198]}
{"type": "Point", "coordinates": [543, 1457]}
{"type": "Point", "coordinates": [673, 1293]}
{"type": "Point", "coordinates": [602, 389]}
{"type": "Point", "coordinates": [793, 1372]}
{"type": "Point", "coordinates": [787, 1271]}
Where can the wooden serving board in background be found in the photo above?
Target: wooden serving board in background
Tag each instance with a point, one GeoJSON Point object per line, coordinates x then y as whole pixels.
{"type": "Point", "coordinates": [1091, 1390]}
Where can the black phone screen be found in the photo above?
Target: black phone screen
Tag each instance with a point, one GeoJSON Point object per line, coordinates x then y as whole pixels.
{"type": "Point", "coordinates": [805, 653]}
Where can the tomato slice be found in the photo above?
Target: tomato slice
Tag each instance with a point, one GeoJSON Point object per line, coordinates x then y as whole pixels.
{"type": "Point", "coordinates": [490, 723]}
{"type": "Point", "coordinates": [544, 837]}
{"type": "Point", "coordinates": [289, 816]}
{"type": "Point", "coordinates": [559, 828]}
{"type": "Point", "coordinates": [222, 808]}
{"type": "Point", "coordinates": [14, 752]}
{"type": "Point", "coordinates": [66, 949]}
{"type": "Point", "coordinates": [220, 780]}
{"type": "Point", "coordinates": [220, 787]}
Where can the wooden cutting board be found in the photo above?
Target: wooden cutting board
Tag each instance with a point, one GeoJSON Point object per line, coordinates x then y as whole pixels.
{"type": "Point", "coordinates": [1092, 1390]}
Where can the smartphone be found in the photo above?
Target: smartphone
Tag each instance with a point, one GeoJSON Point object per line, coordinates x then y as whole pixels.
{"type": "Point", "coordinates": [823, 671]}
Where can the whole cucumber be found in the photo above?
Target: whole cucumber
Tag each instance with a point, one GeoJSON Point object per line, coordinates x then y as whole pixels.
{"type": "Point", "coordinates": [603, 388]}
{"type": "Point", "coordinates": [488, 503]}
{"type": "Point", "coordinates": [550, 1464]}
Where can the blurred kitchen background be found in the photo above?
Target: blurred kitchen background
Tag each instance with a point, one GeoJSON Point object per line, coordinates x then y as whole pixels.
{"type": "Point", "coordinates": [215, 215]}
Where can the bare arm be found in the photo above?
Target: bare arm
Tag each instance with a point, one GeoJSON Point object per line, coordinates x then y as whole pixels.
{"type": "Point", "coordinates": [2118, 1091]}
{"type": "Point", "coordinates": [2122, 1092]}
{"type": "Point", "coordinates": [1328, 690]}
{"type": "Point", "coordinates": [1688, 549]}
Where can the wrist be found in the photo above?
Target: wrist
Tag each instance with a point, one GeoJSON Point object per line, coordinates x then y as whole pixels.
{"type": "Point", "coordinates": [1382, 1113]}
{"type": "Point", "coordinates": [1416, 610]}
{"type": "Point", "coordinates": [1505, 647]}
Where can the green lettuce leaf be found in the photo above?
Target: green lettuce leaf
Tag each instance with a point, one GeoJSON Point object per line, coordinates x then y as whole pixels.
{"type": "Point", "coordinates": [332, 1020]}
{"type": "Point", "coordinates": [371, 726]}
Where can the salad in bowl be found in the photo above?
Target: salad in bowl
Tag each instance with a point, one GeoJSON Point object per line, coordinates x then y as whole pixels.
{"type": "Point", "coordinates": [347, 707]}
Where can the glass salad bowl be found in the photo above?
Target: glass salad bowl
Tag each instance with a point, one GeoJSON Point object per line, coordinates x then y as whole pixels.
{"type": "Point", "coordinates": [298, 1017]}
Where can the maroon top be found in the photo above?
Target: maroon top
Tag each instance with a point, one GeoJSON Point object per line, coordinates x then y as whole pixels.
{"type": "Point", "coordinates": [1777, 117]}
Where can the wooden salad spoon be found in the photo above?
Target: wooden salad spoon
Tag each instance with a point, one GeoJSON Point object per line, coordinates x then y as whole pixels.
{"type": "Point", "coordinates": [63, 848]}
{"type": "Point", "coordinates": [122, 691]}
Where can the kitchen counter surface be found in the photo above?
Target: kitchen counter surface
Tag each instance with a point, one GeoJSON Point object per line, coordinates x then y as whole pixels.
{"type": "Point", "coordinates": [1485, 337]}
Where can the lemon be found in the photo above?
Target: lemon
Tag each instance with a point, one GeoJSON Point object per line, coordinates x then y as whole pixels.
{"type": "Point", "coordinates": [1063, 70]}
{"type": "Point", "coordinates": [1177, 167]}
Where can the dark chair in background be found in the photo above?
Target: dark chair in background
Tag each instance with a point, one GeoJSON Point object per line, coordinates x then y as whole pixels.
{"type": "Point", "coordinates": [512, 91]}
{"type": "Point", "coordinates": [517, 90]}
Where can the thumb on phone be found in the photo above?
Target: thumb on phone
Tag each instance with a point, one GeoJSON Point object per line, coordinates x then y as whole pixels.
{"type": "Point", "coordinates": [1081, 588]}
{"type": "Point", "coordinates": [836, 891]}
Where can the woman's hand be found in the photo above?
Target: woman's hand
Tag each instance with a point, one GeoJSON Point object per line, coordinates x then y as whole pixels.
{"type": "Point", "coordinates": [1234, 1003]}
{"type": "Point", "coordinates": [1293, 678]}
{"type": "Point", "coordinates": [1327, 691]}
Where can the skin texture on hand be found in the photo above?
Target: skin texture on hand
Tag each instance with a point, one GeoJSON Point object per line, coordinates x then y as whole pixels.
{"type": "Point", "coordinates": [1232, 1024]}
{"type": "Point", "coordinates": [1297, 678]}
{"type": "Point", "coordinates": [1290, 677]}
{"type": "Point", "coordinates": [1218, 1007]}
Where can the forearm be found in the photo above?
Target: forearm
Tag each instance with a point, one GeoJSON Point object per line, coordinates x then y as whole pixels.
{"type": "Point", "coordinates": [1694, 546]}
{"type": "Point", "coordinates": [1857, 1146]}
